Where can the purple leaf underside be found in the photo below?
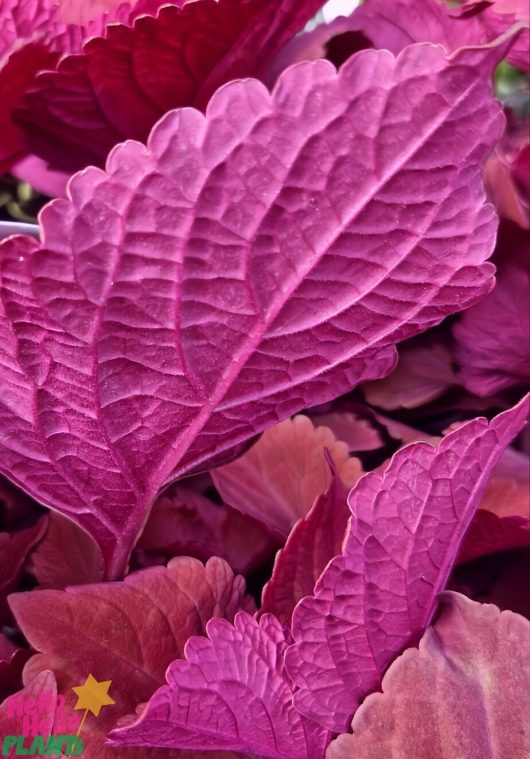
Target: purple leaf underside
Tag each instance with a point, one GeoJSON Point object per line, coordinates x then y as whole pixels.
{"type": "Point", "coordinates": [244, 265]}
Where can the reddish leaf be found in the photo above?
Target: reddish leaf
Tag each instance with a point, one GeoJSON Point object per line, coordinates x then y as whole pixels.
{"type": "Point", "coordinates": [313, 542]}
{"type": "Point", "coordinates": [183, 522]}
{"type": "Point", "coordinates": [359, 433]}
{"type": "Point", "coordinates": [201, 290]}
{"type": "Point", "coordinates": [66, 555]}
{"type": "Point", "coordinates": [124, 82]}
{"type": "Point", "coordinates": [378, 597]}
{"type": "Point", "coordinates": [278, 480]}
{"type": "Point", "coordinates": [488, 534]}
{"type": "Point", "coordinates": [423, 373]}
{"type": "Point", "coordinates": [14, 550]}
{"type": "Point", "coordinates": [463, 693]}
{"type": "Point", "coordinates": [33, 34]}
{"type": "Point", "coordinates": [127, 632]}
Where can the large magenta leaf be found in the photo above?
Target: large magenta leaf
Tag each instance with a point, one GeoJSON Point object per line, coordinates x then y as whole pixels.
{"type": "Point", "coordinates": [124, 82]}
{"type": "Point", "coordinates": [202, 288]}
{"type": "Point", "coordinates": [232, 692]}
{"type": "Point", "coordinates": [463, 693]}
{"type": "Point", "coordinates": [377, 598]}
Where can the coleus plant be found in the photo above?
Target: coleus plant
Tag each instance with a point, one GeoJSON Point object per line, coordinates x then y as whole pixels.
{"type": "Point", "coordinates": [261, 255]}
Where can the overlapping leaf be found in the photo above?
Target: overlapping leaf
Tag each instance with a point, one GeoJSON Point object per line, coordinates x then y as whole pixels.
{"type": "Point", "coordinates": [499, 15]}
{"type": "Point", "coordinates": [231, 692]}
{"type": "Point", "coordinates": [313, 542]}
{"type": "Point", "coordinates": [377, 598]}
{"type": "Point", "coordinates": [493, 337]}
{"type": "Point", "coordinates": [33, 36]}
{"type": "Point", "coordinates": [384, 25]}
{"type": "Point", "coordinates": [124, 82]}
{"type": "Point", "coordinates": [127, 632]}
{"type": "Point", "coordinates": [461, 694]}
{"type": "Point", "coordinates": [185, 523]}
{"type": "Point", "coordinates": [243, 266]}
{"type": "Point", "coordinates": [279, 478]}
{"type": "Point", "coordinates": [66, 555]}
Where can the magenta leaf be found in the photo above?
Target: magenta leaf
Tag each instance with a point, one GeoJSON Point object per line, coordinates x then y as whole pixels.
{"type": "Point", "coordinates": [123, 82]}
{"type": "Point", "coordinates": [380, 24]}
{"type": "Point", "coordinates": [200, 289]}
{"type": "Point", "coordinates": [463, 693]}
{"type": "Point", "coordinates": [377, 598]}
{"type": "Point", "coordinates": [231, 693]}
{"type": "Point", "coordinates": [313, 542]}
{"type": "Point", "coordinates": [426, 21]}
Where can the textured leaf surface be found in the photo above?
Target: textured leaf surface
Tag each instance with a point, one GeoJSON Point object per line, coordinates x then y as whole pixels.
{"type": "Point", "coordinates": [463, 693]}
{"type": "Point", "coordinates": [243, 266]}
{"type": "Point", "coordinates": [127, 632]}
{"type": "Point", "coordinates": [231, 692]}
{"type": "Point", "coordinates": [313, 542]}
{"type": "Point", "coordinates": [378, 596]}
{"type": "Point", "coordinates": [279, 478]}
{"type": "Point", "coordinates": [124, 82]}
{"type": "Point", "coordinates": [493, 337]}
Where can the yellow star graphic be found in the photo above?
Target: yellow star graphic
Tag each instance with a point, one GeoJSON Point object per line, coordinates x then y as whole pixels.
{"type": "Point", "coordinates": [92, 696]}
